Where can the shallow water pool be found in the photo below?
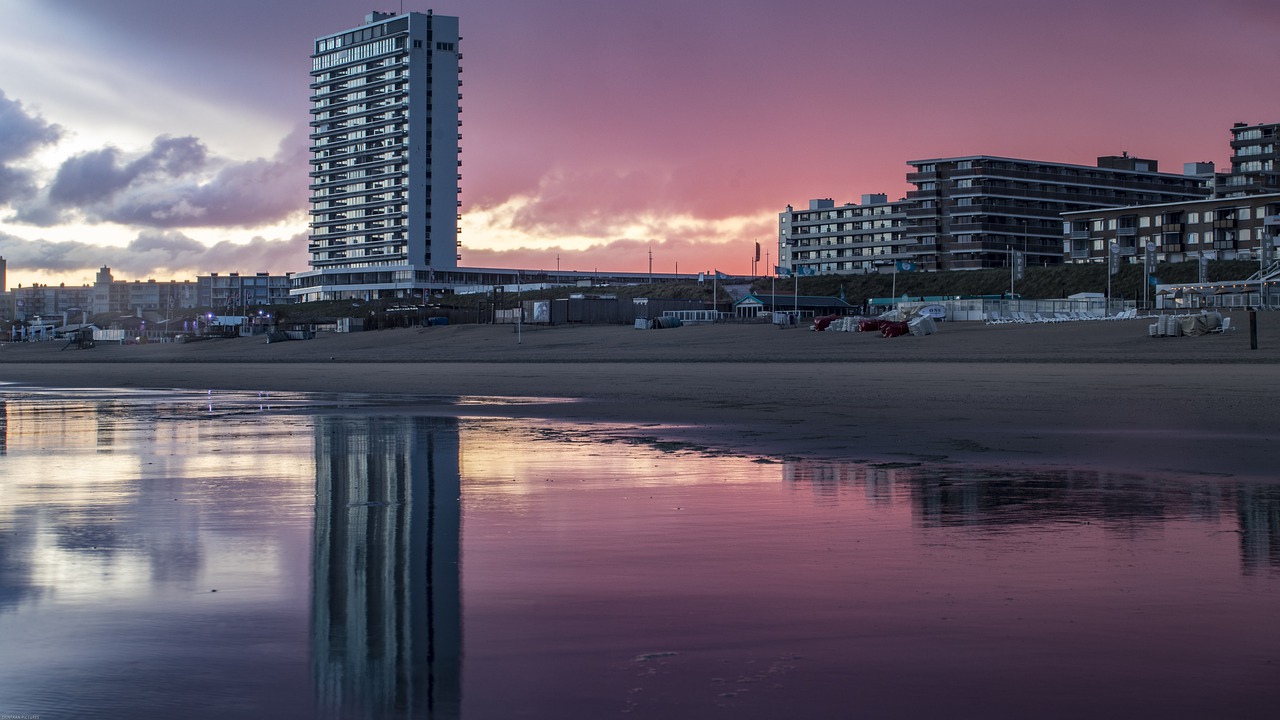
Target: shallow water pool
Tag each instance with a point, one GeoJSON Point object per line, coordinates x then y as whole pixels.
{"type": "Point", "coordinates": [253, 555]}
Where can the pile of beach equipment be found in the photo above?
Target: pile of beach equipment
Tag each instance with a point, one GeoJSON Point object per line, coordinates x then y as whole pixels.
{"type": "Point", "coordinates": [1201, 323]}
{"type": "Point", "coordinates": [894, 323]}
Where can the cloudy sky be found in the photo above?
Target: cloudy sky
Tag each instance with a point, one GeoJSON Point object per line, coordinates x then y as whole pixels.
{"type": "Point", "coordinates": [167, 139]}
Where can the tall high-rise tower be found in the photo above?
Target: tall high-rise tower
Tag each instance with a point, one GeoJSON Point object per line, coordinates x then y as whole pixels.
{"type": "Point", "coordinates": [385, 108]}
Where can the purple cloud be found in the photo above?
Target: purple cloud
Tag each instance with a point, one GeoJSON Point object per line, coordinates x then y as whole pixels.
{"type": "Point", "coordinates": [176, 183]}
{"type": "Point", "coordinates": [21, 134]}
{"type": "Point", "coordinates": [157, 254]}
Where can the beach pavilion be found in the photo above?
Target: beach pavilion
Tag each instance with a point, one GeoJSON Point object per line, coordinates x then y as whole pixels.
{"type": "Point", "coordinates": [756, 304]}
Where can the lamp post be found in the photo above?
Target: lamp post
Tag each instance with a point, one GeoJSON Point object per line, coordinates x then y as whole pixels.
{"type": "Point", "coordinates": [1264, 243]}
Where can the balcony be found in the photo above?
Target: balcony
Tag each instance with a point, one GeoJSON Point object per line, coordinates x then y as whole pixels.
{"type": "Point", "coordinates": [1126, 231]}
{"type": "Point", "coordinates": [1079, 234]}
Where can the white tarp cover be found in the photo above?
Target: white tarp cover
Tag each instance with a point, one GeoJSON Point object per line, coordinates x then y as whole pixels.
{"type": "Point", "coordinates": [923, 325]}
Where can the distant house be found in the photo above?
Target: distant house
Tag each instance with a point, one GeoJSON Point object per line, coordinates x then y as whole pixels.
{"type": "Point", "coordinates": [756, 304]}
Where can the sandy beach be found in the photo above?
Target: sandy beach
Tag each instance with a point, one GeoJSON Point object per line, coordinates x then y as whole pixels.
{"type": "Point", "coordinates": [1090, 395]}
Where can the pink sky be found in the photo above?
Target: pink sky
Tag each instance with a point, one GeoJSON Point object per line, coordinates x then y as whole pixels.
{"type": "Point", "coordinates": [593, 132]}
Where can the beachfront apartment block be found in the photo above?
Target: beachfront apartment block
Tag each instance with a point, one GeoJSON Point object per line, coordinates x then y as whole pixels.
{"type": "Point", "coordinates": [850, 239]}
{"type": "Point", "coordinates": [1220, 228]}
{"type": "Point", "coordinates": [973, 212]}
{"type": "Point", "coordinates": [385, 158]}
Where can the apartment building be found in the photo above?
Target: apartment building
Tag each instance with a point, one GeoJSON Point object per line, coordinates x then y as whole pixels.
{"type": "Point", "coordinates": [235, 291]}
{"type": "Point", "coordinates": [231, 292]}
{"type": "Point", "coordinates": [1220, 228]}
{"type": "Point", "coordinates": [850, 239]}
{"type": "Point", "coordinates": [385, 168]}
{"type": "Point", "coordinates": [973, 212]}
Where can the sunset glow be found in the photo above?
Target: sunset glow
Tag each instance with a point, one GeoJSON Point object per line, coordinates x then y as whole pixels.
{"type": "Point", "coordinates": [166, 141]}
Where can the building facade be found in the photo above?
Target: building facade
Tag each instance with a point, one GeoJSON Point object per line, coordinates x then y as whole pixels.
{"type": "Point", "coordinates": [385, 168]}
{"type": "Point", "coordinates": [122, 297]}
{"type": "Point", "coordinates": [234, 291]}
{"type": "Point", "coordinates": [1254, 167]}
{"type": "Point", "coordinates": [1220, 228]}
{"type": "Point", "coordinates": [131, 297]}
{"type": "Point", "coordinates": [850, 239]}
{"type": "Point", "coordinates": [974, 212]}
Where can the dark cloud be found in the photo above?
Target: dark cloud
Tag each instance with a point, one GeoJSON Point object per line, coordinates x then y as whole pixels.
{"type": "Point", "coordinates": [99, 175]}
{"type": "Point", "coordinates": [176, 183]}
{"type": "Point", "coordinates": [15, 184]}
{"type": "Point", "coordinates": [156, 254]}
{"type": "Point", "coordinates": [21, 134]}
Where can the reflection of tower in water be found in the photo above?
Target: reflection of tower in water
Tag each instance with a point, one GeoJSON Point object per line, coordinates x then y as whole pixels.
{"type": "Point", "coordinates": [1258, 510]}
{"type": "Point", "coordinates": [386, 609]}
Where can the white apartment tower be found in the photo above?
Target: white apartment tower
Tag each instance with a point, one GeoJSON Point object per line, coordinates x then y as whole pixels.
{"type": "Point", "coordinates": [385, 167]}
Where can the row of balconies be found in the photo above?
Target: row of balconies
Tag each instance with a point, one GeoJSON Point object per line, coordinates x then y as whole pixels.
{"type": "Point", "coordinates": [361, 239]}
{"type": "Point", "coordinates": [365, 188]}
{"type": "Point", "coordinates": [322, 220]}
{"type": "Point", "coordinates": [356, 164]}
{"type": "Point", "coordinates": [373, 64]}
{"type": "Point", "coordinates": [397, 106]}
{"type": "Point", "coordinates": [365, 222]}
{"type": "Point", "coordinates": [340, 180]}
{"type": "Point", "coordinates": [384, 125]}
{"type": "Point", "coordinates": [397, 198]}
{"type": "Point", "coordinates": [343, 87]}
{"type": "Point", "coordinates": [1095, 178]}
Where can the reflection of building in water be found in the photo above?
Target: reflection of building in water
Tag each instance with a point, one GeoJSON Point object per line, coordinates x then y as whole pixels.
{"type": "Point", "coordinates": [387, 614]}
{"type": "Point", "coordinates": [1258, 508]}
{"type": "Point", "coordinates": [1121, 502]}
{"type": "Point", "coordinates": [829, 481]}
{"type": "Point", "coordinates": [941, 497]}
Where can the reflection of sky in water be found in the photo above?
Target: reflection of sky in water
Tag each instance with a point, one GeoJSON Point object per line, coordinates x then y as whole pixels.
{"type": "Point", "coordinates": [372, 563]}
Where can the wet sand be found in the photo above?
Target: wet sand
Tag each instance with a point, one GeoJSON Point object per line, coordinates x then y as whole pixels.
{"type": "Point", "coordinates": [1092, 395]}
